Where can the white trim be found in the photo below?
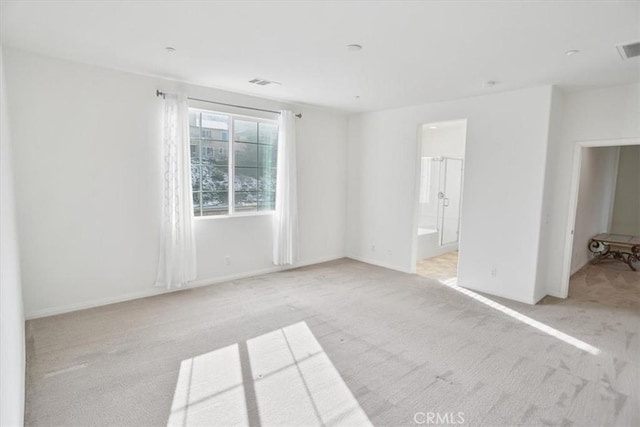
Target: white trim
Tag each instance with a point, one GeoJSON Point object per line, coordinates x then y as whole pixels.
{"type": "Point", "coordinates": [573, 201]}
{"type": "Point", "coordinates": [212, 107]}
{"type": "Point", "coordinates": [532, 301]}
{"type": "Point", "coordinates": [381, 264]}
{"type": "Point", "coordinates": [246, 214]}
{"type": "Point", "coordinates": [416, 204]}
{"type": "Point", "coordinates": [156, 291]}
{"type": "Point", "coordinates": [497, 294]}
{"type": "Point", "coordinates": [573, 271]}
{"type": "Point", "coordinates": [416, 195]}
{"type": "Point", "coordinates": [614, 183]}
{"type": "Point", "coordinates": [577, 268]}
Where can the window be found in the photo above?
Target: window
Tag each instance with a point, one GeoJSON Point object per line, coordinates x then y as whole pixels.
{"type": "Point", "coordinates": [251, 167]}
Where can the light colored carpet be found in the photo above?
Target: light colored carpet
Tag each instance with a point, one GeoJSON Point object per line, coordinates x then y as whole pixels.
{"type": "Point", "coordinates": [342, 343]}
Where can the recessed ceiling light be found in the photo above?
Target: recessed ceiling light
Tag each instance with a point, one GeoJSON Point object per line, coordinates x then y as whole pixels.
{"type": "Point", "coordinates": [170, 49]}
{"type": "Point", "coordinates": [489, 83]}
{"type": "Point", "coordinates": [433, 127]}
{"type": "Point", "coordinates": [354, 47]}
{"type": "Point", "coordinates": [572, 52]}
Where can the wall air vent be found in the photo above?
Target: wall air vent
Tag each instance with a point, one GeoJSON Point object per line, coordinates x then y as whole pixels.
{"type": "Point", "coordinates": [263, 82]}
{"type": "Point", "coordinates": [628, 51]}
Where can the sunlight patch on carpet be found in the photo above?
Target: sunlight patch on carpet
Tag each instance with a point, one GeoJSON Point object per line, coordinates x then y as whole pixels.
{"type": "Point", "coordinates": [452, 283]}
{"type": "Point", "coordinates": [283, 377]}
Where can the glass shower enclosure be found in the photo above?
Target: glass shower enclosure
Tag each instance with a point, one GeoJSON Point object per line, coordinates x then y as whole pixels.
{"type": "Point", "coordinates": [441, 196]}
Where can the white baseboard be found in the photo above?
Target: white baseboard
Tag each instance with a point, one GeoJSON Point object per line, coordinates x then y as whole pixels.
{"type": "Point", "coordinates": [396, 268]}
{"type": "Point", "coordinates": [499, 294]}
{"type": "Point", "coordinates": [379, 264]}
{"type": "Point", "coordinates": [579, 267]}
{"type": "Point", "coordinates": [152, 291]}
{"type": "Point", "coordinates": [573, 271]}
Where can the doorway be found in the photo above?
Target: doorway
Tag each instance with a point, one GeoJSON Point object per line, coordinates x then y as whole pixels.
{"type": "Point", "coordinates": [441, 154]}
{"type": "Point", "coordinates": [592, 199]}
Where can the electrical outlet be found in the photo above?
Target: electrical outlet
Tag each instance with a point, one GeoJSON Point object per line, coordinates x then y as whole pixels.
{"type": "Point", "coordinates": [373, 248]}
{"type": "Point", "coordinates": [227, 260]}
{"type": "Point", "coordinates": [494, 272]}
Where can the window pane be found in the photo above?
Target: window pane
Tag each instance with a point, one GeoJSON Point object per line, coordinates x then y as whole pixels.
{"type": "Point", "coordinates": [246, 179]}
{"type": "Point", "coordinates": [215, 203]}
{"type": "Point", "coordinates": [194, 117]}
{"type": "Point", "coordinates": [266, 201]}
{"type": "Point", "coordinates": [215, 134]}
{"type": "Point", "coordinates": [268, 133]}
{"type": "Point", "coordinates": [195, 150]}
{"type": "Point", "coordinates": [246, 201]}
{"type": "Point", "coordinates": [267, 180]}
{"type": "Point", "coordinates": [215, 178]}
{"type": "Point", "coordinates": [215, 152]}
{"type": "Point", "coordinates": [254, 161]}
{"type": "Point", "coordinates": [213, 121]}
{"type": "Point", "coordinates": [196, 204]}
{"type": "Point", "coordinates": [194, 123]}
{"type": "Point", "coordinates": [245, 131]}
{"type": "Point", "coordinates": [246, 154]}
{"type": "Point", "coordinates": [196, 177]}
{"type": "Point", "coordinates": [267, 156]}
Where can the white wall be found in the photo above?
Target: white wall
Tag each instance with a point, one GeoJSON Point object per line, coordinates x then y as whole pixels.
{"type": "Point", "coordinates": [447, 140]}
{"type": "Point", "coordinates": [596, 114]}
{"type": "Point", "coordinates": [626, 208]}
{"type": "Point", "coordinates": [88, 186]}
{"type": "Point", "coordinates": [595, 197]}
{"type": "Point", "coordinates": [546, 227]}
{"type": "Point", "coordinates": [12, 351]}
{"type": "Point", "coordinates": [503, 187]}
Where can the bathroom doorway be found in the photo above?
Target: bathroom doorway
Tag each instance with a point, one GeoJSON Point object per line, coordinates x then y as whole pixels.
{"type": "Point", "coordinates": [442, 149]}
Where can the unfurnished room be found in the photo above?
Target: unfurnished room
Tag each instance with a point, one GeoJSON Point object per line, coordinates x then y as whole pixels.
{"type": "Point", "coordinates": [319, 213]}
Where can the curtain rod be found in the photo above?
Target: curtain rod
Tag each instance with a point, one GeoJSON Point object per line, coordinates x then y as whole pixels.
{"type": "Point", "coordinates": [162, 94]}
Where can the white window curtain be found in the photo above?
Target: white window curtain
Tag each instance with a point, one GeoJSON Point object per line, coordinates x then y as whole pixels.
{"type": "Point", "coordinates": [285, 225]}
{"type": "Point", "coordinates": [177, 260]}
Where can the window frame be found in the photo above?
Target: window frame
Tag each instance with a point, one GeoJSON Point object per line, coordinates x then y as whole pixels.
{"type": "Point", "coordinates": [231, 161]}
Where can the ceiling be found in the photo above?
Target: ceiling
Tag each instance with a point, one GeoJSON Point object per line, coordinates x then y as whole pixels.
{"type": "Point", "coordinates": [413, 52]}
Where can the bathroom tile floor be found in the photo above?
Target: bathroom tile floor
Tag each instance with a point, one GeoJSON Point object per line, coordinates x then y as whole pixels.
{"type": "Point", "coordinates": [441, 267]}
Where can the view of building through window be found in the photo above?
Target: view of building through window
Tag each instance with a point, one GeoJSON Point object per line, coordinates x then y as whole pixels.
{"type": "Point", "coordinates": [253, 143]}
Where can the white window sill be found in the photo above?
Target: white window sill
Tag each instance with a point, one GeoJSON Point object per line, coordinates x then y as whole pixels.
{"type": "Point", "coordinates": [235, 215]}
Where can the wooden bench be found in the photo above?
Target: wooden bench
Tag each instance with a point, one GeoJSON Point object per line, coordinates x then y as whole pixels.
{"type": "Point", "coordinates": [617, 246]}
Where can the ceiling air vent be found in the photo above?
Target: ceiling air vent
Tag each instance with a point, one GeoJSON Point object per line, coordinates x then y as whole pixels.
{"type": "Point", "coordinates": [263, 82]}
{"type": "Point", "coordinates": [628, 51]}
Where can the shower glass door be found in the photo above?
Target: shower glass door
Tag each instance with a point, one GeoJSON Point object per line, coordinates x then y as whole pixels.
{"type": "Point", "coordinates": [450, 197]}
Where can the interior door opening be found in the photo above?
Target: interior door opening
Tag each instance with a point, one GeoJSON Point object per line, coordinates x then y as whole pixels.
{"type": "Point", "coordinates": [604, 201]}
{"type": "Point", "coordinates": [442, 149]}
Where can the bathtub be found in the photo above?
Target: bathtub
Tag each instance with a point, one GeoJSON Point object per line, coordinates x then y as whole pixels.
{"type": "Point", "coordinates": [429, 244]}
{"type": "Point", "coordinates": [425, 231]}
